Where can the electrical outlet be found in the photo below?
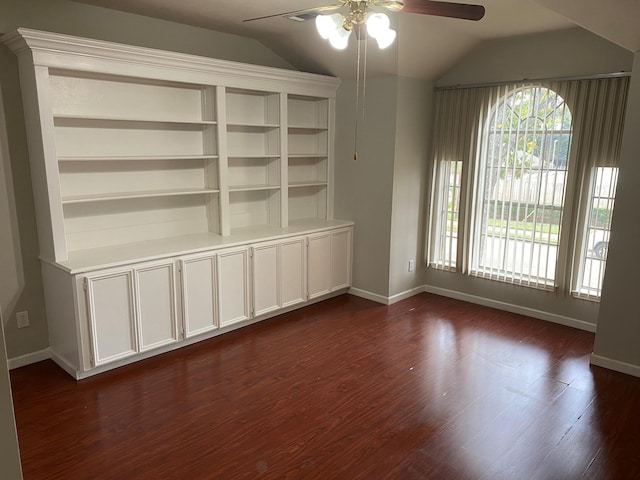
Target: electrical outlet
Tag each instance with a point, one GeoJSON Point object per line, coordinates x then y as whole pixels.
{"type": "Point", "coordinates": [412, 265]}
{"type": "Point", "coordinates": [22, 319]}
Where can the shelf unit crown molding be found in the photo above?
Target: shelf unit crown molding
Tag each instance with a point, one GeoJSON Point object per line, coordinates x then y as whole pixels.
{"type": "Point", "coordinates": [55, 50]}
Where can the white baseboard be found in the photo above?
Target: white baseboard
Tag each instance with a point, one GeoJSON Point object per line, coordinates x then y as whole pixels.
{"type": "Point", "coordinates": [29, 358]}
{"type": "Point", "coordinates": [374, 297]}
{"type": "Point", "coordinates": [406, 294]}
{"type": "Point", "coordinates": [509, 307]}
{"type": "Point", "coordinates": [386, 300]}
{"type": "Point", "coordinates": [616, 365]}
{"type": "Point", "coordinates": [64, 365]}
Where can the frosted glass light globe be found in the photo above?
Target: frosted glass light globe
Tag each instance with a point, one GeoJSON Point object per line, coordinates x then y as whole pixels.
{"type": "Point", "coordinates": [377, 24]}
{"type": "Point", "coordinates": [328, 24]}
{"type": "Point", "coordinates": [339, 39]}
{"type": "Point", "coordinates": [386, 38]}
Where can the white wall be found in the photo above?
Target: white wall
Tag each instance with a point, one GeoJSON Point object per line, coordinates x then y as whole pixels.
{"type": "Point", "coordinates": [618, 334]}
{"type": "Point", "coordinates": [364, 187]}
{"type": "Point", "coordinates": [572, 52]}
{"type": "Point", "coordinates": [383, 191]}
{"type": "Point", "coordinates": [413, 143]}
{"type": "Point", "coordinates": [20, 278]}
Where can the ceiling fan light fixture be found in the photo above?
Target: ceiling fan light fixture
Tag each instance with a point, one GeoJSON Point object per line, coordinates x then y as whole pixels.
{"type": "Point", "coordinates": [327, 25]}
{"type": "Point", "coordinates": [339, 39]}
{"type": "Point", "coordinates": [377, 24]}
{"type": "Point", "coordinates": [386, 38]}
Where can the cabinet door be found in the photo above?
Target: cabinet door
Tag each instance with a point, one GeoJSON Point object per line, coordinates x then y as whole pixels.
{"type": "Point", "coordinates": [319, 264]}
{"type": "Point", "coordinates": [111, 316]}
{"type": "Point", "coordinates": [233, 286]}
{"type": "Point", "coordinates": [266, 278]}
{"type": "Point", "coordinates": [198, 295]}
{"type": "Point", "coordinates": [293, 274]}
{"type": "Point", "coordinates": [340, 259]}
{"type": "Point", "coordinates": [157, 319]}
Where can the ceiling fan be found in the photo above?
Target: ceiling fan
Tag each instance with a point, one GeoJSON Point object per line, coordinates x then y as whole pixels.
{"type": "Point", "coordinates": [352, 15]}
{"type": "Point", "coordinates": [355, 13]}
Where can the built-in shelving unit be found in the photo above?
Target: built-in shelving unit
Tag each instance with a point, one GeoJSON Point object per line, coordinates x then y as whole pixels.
{"type": "Point", "coordinates": [137, 145]}
{"type": "Point", "coordinates": [157, 177]}
{"type": "Point", "coordinates": [308, 157]}
{"type": "Point", "coordinates": [137, 158]}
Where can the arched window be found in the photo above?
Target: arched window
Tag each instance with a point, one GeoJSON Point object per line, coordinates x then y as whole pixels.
{"type": "Point", "coordinates": [521, 179]}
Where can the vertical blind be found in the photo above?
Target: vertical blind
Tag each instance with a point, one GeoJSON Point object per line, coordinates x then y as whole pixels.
{"type": "Point", "coordinates": [601, 104]}
{"type": "Point", "coordinates": [514, 144]}
{"type": "Point", "coordinates": [458, 114]}
{"type": "Point", "coordinates": [520, 185]}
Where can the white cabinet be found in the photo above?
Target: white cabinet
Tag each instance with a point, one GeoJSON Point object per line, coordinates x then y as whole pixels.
{"type": "Point", "coordinates": [319, 264]}
{"type": "Point", "coordinates": [266, 274]}
{"type": "Point", "coordinates": [156, 306]}
{"type": "Point", "coordinates": [233, 286]}
{"type": "Point", "coordinates": [278, 274]}
{"type": "Point", "coordinates": [112, 316]}
{"type": "Point", "coordinates": [139, 309]}
{"type": "Point", "coordinates": [293, 267]}
{"type": "Point", "coordinates": [131, 311]}
{"type": "Point", "coordinates": [199, 307]}
{"type": "Point", "coordinates": [329, 261]}
{"type": "Point", "coordinates": [341, 244]}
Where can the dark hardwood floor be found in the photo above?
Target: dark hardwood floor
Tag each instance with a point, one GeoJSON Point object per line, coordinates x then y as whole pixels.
{"type": "Point", "coordinates": [346, 389]}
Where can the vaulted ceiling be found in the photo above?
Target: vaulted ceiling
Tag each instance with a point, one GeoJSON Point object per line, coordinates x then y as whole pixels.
{"type": "Point", "coordinates": [426, 46]}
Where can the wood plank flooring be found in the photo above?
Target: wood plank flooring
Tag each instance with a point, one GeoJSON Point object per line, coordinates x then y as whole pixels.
{"type": "Point", "coordinates": [345, 389]}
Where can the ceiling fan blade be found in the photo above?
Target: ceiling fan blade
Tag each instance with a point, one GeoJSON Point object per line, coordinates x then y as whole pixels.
{"type": "Point", "coordinates": [444, 9]}
{"type": "Point", "coordinates": [326, 8]}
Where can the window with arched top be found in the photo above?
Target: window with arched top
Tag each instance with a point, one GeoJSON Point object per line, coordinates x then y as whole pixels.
{"type": "Point", "coordinates": [509, 160]}
{"type": "Point", "coordinates": [521, 179]}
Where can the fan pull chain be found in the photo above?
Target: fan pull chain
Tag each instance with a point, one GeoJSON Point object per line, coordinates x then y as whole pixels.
{"type": "Point", "coordinates": [361, 66]}
{"type": "Point", "coordinates": [355, 140]}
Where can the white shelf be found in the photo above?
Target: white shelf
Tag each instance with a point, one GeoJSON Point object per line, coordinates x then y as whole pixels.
{"type": "Point", "coordinates": [307, 155]}
{"type": "Point", "coordinates": [307, 184]}
{"type": "Point", "coordinates": [254, 156]}
{"type": "Point", "coordinates": [249, 188]}
{"type": "Point", "coordinates": [252, 125]}
{"type": "Point", "coordinates": [100, 118]}
{"type": "Point", "coordinates": [132, 195]}
{"type": "Point", "coordinates": [308, 127]}
{"type": "Point", "coordinates": [137, 158]}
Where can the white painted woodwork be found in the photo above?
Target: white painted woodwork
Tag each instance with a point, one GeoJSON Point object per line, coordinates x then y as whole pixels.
{"type": "Point", "coordinates": [319, 265]}
{"type": "Point", "coordinates": [155, 174]}
{"type": "Point", "coordinates": [112, 316]}
{"type": "Point", "coordinates": [266, 273]}
{"type": "Point", "coordinates": [329, 261]}
{"type": "Point", "coordinates": [341, 244]}
{"type": "Point", "coordinates": [308, 112]}
{"type": "Point", "coordinates": [293, 271]}
{"type": "Point", "coordinates": [198, 294]}
{"type": "Point", "coordinates": [248, 208]}
{"type": "Point", "coordinates": [65, 336]}
{"type": "Point", "coordinates": [131, 145]}
{"type": "Point", "coordinates": [233, 286]}
{"type": "Point", "coordinates": [156, 301]}
{"type": "Point", "coordinates": [130, 312]}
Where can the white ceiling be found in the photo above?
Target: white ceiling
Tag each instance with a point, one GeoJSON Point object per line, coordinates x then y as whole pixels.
{"type": "Point", "coordinates": [426, 46]}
